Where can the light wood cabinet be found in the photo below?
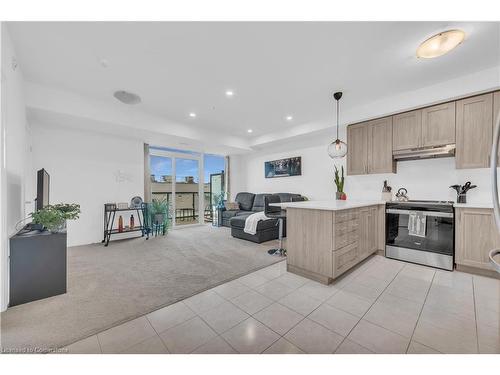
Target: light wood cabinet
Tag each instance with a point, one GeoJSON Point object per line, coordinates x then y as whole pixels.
{"type": "Point", "coordinates": [323, 244]}
{"type": "Point", "coordinates": [438, 125]}
{"type": "Point", "coordinates": [474, 131]}
{"type": "Point", "coordinates": [496, 114]}
{"type": "Point", "coordinates": [475, 236]}
{"type": "Point", "coordinates": [380, 146]}
{"type": "Point", "coordinates": [310, 240]}
{"type": "Point", "coordinates": [369, 147]}
{"type": "Point", "coordinates": [357, 149]}
{"type": "Point", "coordinates": [407, 130]}
{"type": "Point", "coordinates": [368, 231]}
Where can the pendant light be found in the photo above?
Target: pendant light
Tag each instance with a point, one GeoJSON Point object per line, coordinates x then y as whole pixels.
{"type": "Point", "coordinates": [337, 149]}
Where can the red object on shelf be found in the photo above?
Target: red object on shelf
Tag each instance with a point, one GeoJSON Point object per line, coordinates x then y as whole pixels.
{"type": "Point", "coordinates": [343, 197]}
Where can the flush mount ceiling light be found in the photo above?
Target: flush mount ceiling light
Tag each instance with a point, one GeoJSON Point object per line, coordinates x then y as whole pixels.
{"type": "Point", "coordinates": [192, 114]}
{"type": "Point", "coordinates": [440, 44]}
{"type": "Point", "coordinates": [229, 93]}
{"type": "Point", "coordinates": [249, 131]}
{"type": "Point", "coordinates": [337, 149]}
{"type": "Point", "coordinates": [127, 97]}
{"type": "Point", "coordinates": [289, 118]}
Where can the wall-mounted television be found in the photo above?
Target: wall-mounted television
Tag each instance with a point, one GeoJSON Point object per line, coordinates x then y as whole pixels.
{"type": "Point", "coordinates": [42, 189]}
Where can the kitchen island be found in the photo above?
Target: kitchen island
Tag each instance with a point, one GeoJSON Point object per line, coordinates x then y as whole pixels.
{"type": "Point", "coordinates": [327, 238]}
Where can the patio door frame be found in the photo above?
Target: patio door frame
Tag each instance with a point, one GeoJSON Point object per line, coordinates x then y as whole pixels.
{"type": "Point", "coordinates": [201, 193]}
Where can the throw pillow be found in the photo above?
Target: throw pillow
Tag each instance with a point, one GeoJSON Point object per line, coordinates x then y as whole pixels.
{"type": "Point", "coordinates": [232, 205]}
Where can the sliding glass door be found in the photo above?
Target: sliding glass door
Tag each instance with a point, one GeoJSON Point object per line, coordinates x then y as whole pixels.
{"type": "Point", "coordinates": [175, 177]}
{"type": "Point", "coordinates": [187, 191]}
{"type": "Point", "coordinates": [191, 182]}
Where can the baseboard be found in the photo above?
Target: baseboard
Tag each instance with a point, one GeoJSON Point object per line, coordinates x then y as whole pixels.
{"type": "Point", "coordinates": [309, 275]}
{"type": "Point", "coordinates": [478, 271]}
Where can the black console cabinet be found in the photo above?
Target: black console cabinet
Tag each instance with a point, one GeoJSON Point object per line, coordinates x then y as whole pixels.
{"type": "Point", "coordinates": [37, 266]}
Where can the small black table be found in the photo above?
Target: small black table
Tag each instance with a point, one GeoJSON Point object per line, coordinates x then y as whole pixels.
{"type": "Point", "coordinates": [110, 211]}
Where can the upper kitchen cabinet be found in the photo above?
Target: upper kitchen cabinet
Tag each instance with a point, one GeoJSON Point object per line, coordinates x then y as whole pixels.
{"type": "Point", "coordinates": [438, 125]}
{"type": "Point", "coordinates": [474, 131]}
{"type": "Point", "coordinates": [496, 113]}
{"type": "Point", "coordinates": [496, 106]}
{"type": "Point", "coordinates": [357, 149]}
{"type": "Point", "coordinates": [407, 130]}
{"type": "Point", "coordinates": [380, 146]}
{"type": "Point", "coordinates": [370, 147]}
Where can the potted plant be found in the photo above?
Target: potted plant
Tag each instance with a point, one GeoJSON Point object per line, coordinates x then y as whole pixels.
{"type": "Point", "coordinates": [159, 210]}
{"type": "Point", "coordinates": [219, 199]}
{"type": "Point", "coordinates": [339, 182]}
{"type": "Point", "coordinates": [53, 217]}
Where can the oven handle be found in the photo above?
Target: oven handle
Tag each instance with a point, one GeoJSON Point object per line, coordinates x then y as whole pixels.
{"type": "Point", "coordinates": [425, 213]}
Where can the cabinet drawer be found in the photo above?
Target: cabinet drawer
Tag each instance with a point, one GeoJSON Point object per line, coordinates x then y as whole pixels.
{"type": "Point", "coordinates": [346, 215]}
{"type": "Point", "coordinates": [346, 226]}
{"type": "Point", "coordinates": [345, 258]}
{"type": "Point", "coordinates": [344, 239]}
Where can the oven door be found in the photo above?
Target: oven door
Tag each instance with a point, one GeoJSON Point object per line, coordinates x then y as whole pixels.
{"type": "Point", "coordinates": [439, 232]}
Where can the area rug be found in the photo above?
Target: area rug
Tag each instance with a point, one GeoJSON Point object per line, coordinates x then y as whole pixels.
{"type": "Point", "coordinates": [110, 285]}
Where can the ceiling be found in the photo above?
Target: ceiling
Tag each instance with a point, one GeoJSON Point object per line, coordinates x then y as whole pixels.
{"type": "Point", "coordinates": [275, 69]}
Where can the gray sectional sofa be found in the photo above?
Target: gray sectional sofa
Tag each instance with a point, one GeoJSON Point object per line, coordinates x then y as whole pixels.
{"type": "Point", "coordinates": [250, 203]}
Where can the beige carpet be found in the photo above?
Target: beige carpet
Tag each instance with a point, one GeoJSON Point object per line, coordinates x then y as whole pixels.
{"type": "Point", "coordinates": [129, 278]}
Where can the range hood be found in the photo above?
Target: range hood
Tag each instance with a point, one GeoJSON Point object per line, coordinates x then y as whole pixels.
{"type": "Point", "coordinates": [425, 153]}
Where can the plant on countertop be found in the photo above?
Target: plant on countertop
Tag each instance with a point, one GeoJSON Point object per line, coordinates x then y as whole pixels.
{"type": "Point", "coordinates": [339, 182]}
{"type": "Point", "coordinates": [53, 217]}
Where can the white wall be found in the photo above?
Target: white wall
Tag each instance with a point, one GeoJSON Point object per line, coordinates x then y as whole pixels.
{"type": "Point", "coordinates": [237, 175]}
{"type": "Point", "coordinates": [90, 169]}
{"type": "Point", "coordinates": [424, 179]}
{"type": "Point", "coordinates": [15, 152]}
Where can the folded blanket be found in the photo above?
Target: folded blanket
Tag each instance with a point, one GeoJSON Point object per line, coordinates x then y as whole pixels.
{"type": "Point", "coordinates": [252, 221]}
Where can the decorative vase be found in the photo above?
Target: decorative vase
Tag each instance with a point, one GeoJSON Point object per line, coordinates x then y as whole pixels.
{"type": "Point", "coordinates": [338, 195]}
{"type": "Point", "coordinates": [343, 196]}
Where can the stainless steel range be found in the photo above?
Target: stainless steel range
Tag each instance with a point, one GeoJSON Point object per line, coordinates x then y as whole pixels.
{"type": "Point", "coordinates": [421, 232]}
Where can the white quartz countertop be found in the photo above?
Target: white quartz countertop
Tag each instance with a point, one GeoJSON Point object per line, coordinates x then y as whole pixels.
{"type": "Point", "coordinates": [473, 205]}
{"type": "Point", "coordinates": [334, 205]}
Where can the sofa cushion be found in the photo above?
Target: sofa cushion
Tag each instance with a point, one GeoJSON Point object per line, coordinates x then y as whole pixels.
{"type": "Point", "coordinates": [259, 203]}
{"type": "Point", "coordinates": [229, 214]}
{"type": "Point", "coordinates": [239, 222]}
{"type": "Point", "coordinates": [231, 205]}
{"type": "Point", "coordinates": [245, 200]}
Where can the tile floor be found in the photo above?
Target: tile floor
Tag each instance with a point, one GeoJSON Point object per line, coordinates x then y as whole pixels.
{"type": "Point", "coordinates": [382, 306]}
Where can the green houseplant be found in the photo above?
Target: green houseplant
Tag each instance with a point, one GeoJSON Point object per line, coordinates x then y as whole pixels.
{"type": "Point", "coordinates": [53, 217]}
{"type": "Point", "coordinates": [159, 210]}
{"type": "Point", "coordinates": [339, 182]}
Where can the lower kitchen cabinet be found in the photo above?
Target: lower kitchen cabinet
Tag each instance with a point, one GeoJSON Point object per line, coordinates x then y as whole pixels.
{"type": "Point", "coordinates": [323, 244]}
{"type": "Point", "coordinates": [475, 236]}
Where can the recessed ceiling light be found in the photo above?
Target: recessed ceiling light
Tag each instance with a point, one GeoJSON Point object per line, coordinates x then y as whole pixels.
{"type": "Point", "coordinates": [440, 44]}
{"type": "Point", "coordinates": [249, 130]}
{"type": "Point", "coordinates": [289, 118]}
{"type": "Point", "coordinates": [127, 97]}
{"type": "Point", "coordinates": [229, 93]}
{"type": "Point", "coordinates": [104, 63]}
{"type": "Point", "coordinates": [192, 114]}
